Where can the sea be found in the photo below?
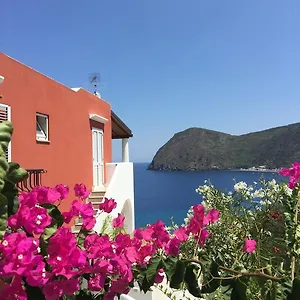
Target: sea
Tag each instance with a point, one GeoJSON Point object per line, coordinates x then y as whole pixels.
{"type": "Point", "coordinates": [162, 195]}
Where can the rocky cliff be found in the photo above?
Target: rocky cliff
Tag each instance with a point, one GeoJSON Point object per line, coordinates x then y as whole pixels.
{"type": "Point", "coordinates": [202, 149]}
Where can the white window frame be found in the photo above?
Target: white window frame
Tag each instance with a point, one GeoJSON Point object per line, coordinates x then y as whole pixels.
{"type": "Point", "coordinates": [44, 135]}
{"type": "Point", "coordinates": [8, 119]}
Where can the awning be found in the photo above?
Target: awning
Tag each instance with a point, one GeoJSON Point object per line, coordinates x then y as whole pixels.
{"type": "Point", "coordinates": [119, 128]}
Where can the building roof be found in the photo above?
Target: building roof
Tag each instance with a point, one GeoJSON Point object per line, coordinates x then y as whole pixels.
{"type": "Point", "coordinates": [119, 128]}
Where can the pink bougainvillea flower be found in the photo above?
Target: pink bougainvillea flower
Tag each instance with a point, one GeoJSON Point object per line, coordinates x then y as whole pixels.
{"type": "Point", "coordinates": [101, 266]}
{"type": "Point", "coordinates": [63, 190]}
{"type": "Point", "coordinates": [74, 211]}
{"type": "Point", "coordinates": [122, 241]}
{"type": "Point", "coordinates": [198, 213]}
{"type": "Point", "coordinates": [15, 221]}
{"type": "Point", "coordinates": [46, 194]}
{"type": "Point", "coordinates": [193, 227]}
{"type": "Point", "coordinates": [138, 233]}
{"type": "Point", "coordinates": [53, 290]}
{"type": "Point", "coordinates": [204, 235]}
{"type": "Point", "coordinates": [96, 283]}
{"type": "Point", "coordinates": [131, 254]}
{"type": "Point", "coordinates": [98, 246]}
{"type": "Point", "coordinates": [84, 210]}
{"type": "Point", "coordinates": [285, 172]}
{"type": "Point", "coordinates": [172, 248]}
{"type": "Point", "coordinates": [119, 286]}
{"type": "Point", "coordinates": [293, 182]}
{"type": "Point", "coordinates": [88, 223]}
{"type": "Point", "coordinates": [38, 276]}
{"type": "Point", "coordinates": [118, 221]}
{"type": "Point", "coordinates": [250, 245]}
{"type": "Point", "coordinates": [147, 233]}
{"type": "Point", "coordinates": [87, 214]}
{"type": "Point", "coordinates": [293, 173]}
{"type": "Point", "coordinates": [108, 205]}
{"type": "Point", "coordinates": [34, 219]}
{"type": "Point", "coordinates": [160, 236]}
{"type": "Point", "coordinates": [144, 254]}
{"type": "Point", "coordinates": [29, 199]}
{"type": "Point", "coordinates": [160, 275]}
{"type": "Point", "coordinates": [69, 287]}
{"type": "Point", "coordinates": [19, 255]}
{"type": "Point", "coordinates": [109, 296]}
{"type": "Point", "coordinates": [121, 266]}
{"type": "Point", "coordinates": [211, 217]}
{"type": "Point", "coordinates": [64, 256]}
{"type": "Point", "coordinates": [81, 191]}
{"type": "Point", "coordinates": [9, 243]}
{"type": "Point", "coordinates": [180, 233]}
{"type": "Point", "coordinates": [14, 290]}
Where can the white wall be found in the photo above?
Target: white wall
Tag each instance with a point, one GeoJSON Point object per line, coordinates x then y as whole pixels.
{"type": "Point", "coordinates": [120, 187]}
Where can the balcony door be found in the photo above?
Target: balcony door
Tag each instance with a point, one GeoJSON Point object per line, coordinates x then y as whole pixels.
{"type": "Point", "coordinates": [98, 159]}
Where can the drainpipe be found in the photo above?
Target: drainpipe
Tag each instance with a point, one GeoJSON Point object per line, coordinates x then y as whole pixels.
{"type": "Point", "coordinates": [125, 150]}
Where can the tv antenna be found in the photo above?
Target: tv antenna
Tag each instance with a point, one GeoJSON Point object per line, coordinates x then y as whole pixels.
{"type": "Point", "coordinates": [94, 79]}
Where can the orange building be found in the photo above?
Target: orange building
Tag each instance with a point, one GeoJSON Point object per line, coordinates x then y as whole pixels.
{"type": "Point", "coordinates": [66, 132]}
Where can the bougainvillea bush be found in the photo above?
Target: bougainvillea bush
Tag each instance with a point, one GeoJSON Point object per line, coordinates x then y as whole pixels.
{"type": "Point", "coordinates": [40, 254]}
{"type": "Point", "coordinates": [243, 245]}
{"type": "Point", "coordinates": [41, 258]}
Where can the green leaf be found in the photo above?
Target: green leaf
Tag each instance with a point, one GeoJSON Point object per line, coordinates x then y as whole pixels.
{"type": "Point", "coordinates": [10, 191]}
{"type": "Point", "coordinates": [295, 290]}
{"type": "Point", "coordinates": [57, 220]}
{"type": "Point", "coordinates": [178, 276]}
{"type": "Point", "coordinates": [6, 130]}
{"type": "Point", "coordinates": [241, 288]}
{"type": "Point", "coordinates": [234, 295]}
{"type": "Point", "coordinates": [15, 173]}
{"type": "Point", "coordinates": [85, 294]}
{"type": "Point", "coordinates": [81, 237]}
{"type": "Point", "coordinates": [170, 266]}
{"type": "Point", "coordinates": [152, 268]}
{"type": "Point", "coordinates": [54, 212]}
{"type": "Point", "coordinates": [49, 231]}
{"type": "Point", "coordinates": [34, 292]}
{"type": "Point", "coordinates": [3, 215]}
{"type": "Point", "coordinates": [145, 285]}
{"type": "Point", "coordinates": [297, 232]}
{"type": "Point", "coordinates": [211, 284]}
{"type": "Point", "coordinates": [191, 279]}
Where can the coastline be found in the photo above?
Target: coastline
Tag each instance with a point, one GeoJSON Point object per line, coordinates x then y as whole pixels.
{"type": "Point", "coordinates": [215, 169]}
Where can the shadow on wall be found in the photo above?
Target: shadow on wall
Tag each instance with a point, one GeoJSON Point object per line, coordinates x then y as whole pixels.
{"type": "Point", "coordinates": [127, 212]}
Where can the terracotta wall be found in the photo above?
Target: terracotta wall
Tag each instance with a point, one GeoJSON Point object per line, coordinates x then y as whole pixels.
{"type": "Point", "coordinates": [68, 156]}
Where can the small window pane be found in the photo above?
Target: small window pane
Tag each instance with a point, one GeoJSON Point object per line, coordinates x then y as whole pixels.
{"type": "Point", "coordinates": [42, 127]}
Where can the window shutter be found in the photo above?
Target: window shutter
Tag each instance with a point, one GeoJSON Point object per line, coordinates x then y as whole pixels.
{"type": "Point", "coordinates": [5, 116]}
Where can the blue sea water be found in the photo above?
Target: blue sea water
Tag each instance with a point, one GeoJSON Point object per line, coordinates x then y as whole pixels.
{"type": "Point", "coordinates": [161, 195]}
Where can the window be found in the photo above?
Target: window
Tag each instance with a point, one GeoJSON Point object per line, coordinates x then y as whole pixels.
{"type": "Point", "coordinates": [42, 133]}
{"type": "Point", "coordinates": [5, 116]}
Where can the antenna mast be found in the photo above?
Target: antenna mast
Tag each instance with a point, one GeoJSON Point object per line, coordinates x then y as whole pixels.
{"type": "Point", "coordinates": [94, 81]}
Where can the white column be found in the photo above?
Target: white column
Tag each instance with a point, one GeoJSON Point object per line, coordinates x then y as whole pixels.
{"type": "Point", "coordinates": [125, 150]}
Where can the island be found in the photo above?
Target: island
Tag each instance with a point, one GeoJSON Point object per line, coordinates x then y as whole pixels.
{"type": "Point", "coordinates": [196, 149]}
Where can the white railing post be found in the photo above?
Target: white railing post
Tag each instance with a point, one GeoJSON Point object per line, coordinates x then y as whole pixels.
{"type": "Point", "coordinates": [125, 150]}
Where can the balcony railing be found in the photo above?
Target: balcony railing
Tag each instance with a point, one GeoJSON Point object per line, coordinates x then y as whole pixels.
{"type": "Point", "coordinates": [34, 179]}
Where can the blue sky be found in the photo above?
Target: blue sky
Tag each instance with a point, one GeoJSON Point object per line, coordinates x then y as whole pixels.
{"type": "Point", "coordinates": [231, 66]}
